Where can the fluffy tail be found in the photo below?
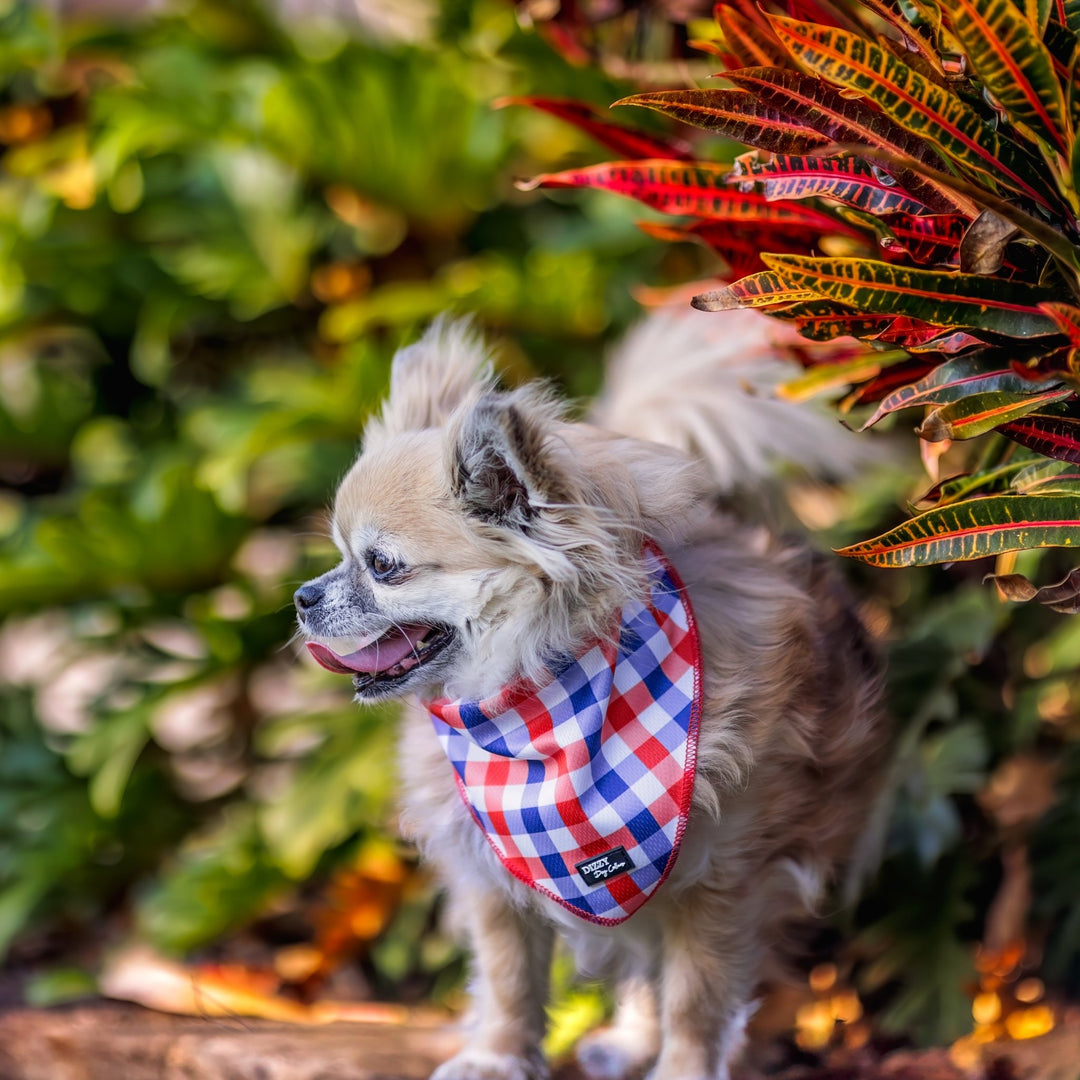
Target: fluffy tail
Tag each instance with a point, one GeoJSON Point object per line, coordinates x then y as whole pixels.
{"type": "Point", "coordinates": [704, 383]}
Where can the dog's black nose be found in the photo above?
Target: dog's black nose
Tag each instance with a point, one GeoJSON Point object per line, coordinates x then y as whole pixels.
{"type": "Point", "coordinates": [307, 596]}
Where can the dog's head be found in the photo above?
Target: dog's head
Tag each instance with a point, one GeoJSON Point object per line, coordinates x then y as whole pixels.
{"type": "Point", "coordinates": [482, 535]}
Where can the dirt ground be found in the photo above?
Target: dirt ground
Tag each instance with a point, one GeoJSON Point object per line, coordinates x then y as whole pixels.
{"type": "Point", "coordinates": [109, 1041]}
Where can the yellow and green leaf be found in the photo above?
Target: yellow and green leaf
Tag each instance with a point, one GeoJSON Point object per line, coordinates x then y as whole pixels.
{"type": "Point", "coordinates": [976, 414]}
{"type": "Point", "coordinates": [839, 373]}
{"type": "Point", "coordinates": [974, 529]}
{"type": "Point", "coordinates": [937, 297]}
{"type": "Point", "coordinates": [1047, 476]}
{"type": "Point", "coordinates": [986, 482]}
{"type": "Point", "coordinates": [1013, 64]}
{"type": "Point", "coordinates": [952, 381]}
{"type": "Point", "coordinates": [755, 290]}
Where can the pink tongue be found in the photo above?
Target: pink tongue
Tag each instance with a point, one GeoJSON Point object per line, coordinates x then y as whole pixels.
{"type": "Point", "coordinates": [379, 656]}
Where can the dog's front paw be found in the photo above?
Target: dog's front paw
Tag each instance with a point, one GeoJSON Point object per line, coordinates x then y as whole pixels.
{"type": "Point", "coordinates": [614, 1054]}
{"type": "Point", "coordinates": [486, 1065]}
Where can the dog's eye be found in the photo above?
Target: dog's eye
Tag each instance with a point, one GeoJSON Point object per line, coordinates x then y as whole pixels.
{"type": "Point", "coordinates": [382, 566]}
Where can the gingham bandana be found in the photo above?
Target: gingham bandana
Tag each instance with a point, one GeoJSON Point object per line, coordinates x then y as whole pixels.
{"type": "Point", "coordinates": [582, 786]}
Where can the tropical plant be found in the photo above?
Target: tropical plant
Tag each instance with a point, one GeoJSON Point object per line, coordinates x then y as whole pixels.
{"type": "Point", "coordinates": [912, 185]}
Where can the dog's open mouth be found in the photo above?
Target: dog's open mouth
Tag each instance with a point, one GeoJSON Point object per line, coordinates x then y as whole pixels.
{"type": "Point", "coordinates": [389, 656]}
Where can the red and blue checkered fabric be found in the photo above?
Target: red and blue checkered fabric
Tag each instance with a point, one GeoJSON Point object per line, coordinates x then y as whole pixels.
{"type": "Point", "coordinates": [582, 786]}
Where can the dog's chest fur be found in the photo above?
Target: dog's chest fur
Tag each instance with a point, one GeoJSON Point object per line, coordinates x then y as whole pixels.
{"type": "Point", "coordinates": [786, 741]}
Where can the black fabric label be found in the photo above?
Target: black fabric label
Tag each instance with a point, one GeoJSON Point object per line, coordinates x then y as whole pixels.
{"type": "Point", "coordinates": [601, 868]}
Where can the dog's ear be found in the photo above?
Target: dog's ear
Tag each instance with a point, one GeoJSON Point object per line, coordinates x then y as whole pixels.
{"type": "Point", "coordinates": [499, 470]}
{"type": "Point", "coordinates": [431, 377]}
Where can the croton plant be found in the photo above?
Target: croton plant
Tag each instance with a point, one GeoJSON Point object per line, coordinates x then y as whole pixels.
{"type": "Point", "coordinates": [912, 186]}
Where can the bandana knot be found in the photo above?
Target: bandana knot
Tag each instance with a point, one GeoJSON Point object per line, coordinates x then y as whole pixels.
{"type": "Point", "coordinates": [582, 786]}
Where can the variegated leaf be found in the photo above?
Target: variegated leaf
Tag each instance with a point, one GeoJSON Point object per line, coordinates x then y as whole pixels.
{"type": "Point", "coordinates": [975, 528]}
{"type": "Point", "coordinates": [915, 103]}
{"type": "Point", "coordinates": [968, 485]}
{"type": "Point", "coordinates": [736, 114]}
{"type": "Point", "coordinates": [1067, 319]}
{"type": "Point", "coordinates": [977, 414]}
{"type": "Point", "coordinates": [841, 373]}
{"type": "Point", "coordinates": [1013, 64]}
{"type": "Point", "coordinates": [846, 119]}
{"type": "Point", "coordinates": [952, 381]}
{"type": "Point", "coordinates": [626, 142]}
{"type": "Point", "coordinates": [1046, 476]}
{"type": "Point", "coordinates": [697, 189]}
{"type": "Point", "coordinates": [937, 297]}
{"type": "Point", "coordinates": [930, 239]}
{"type": "Point", "coordinates": [757, 290]}
{"type": "Point", "coordinates": [748, 41]}
{"type": "Point", "coordinates": [1055, 436]}
{"type": "Point", "coordinates": [848, 180]}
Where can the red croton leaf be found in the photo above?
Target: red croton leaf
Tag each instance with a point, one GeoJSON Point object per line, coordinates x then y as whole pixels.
{"type": "Point", "coordinates": [918, 105]}
{"type": "Point", "coordinates": [697, 189]}
{"type": "Point", "coordinates": [749, 41]}
{"type": "Point", "coordinates": [818, 11]}
{"type": "Point", "coordinates": [739, 248]}
{"type": "Point", "coordinates": [748, 9]}
{"type": "Point", "coordinates": [917, 336]}
{"type": "Point", "coordinates": [789, 112]}
{"type": "Point", "coordinates": [568, 41]}
{"type": "Point", "coordinates": [929, 239]}
{"type": "Point", "coordinates": [736, 114]}
{"type": "Point", "coordinates": [889, 380]}
{"type": "Point", "coordinates": [1047, 433]}
{"type": "Point", "coordinates": [845, 179]}
{"type": "Point", "coordinates": [626, 142]}
{"type": "Point", "coordinates": [1067, 318]}
{"type": "Point", "coordinates": [714, 48]}
{"type": "Point", "coordinates": [822, 320]}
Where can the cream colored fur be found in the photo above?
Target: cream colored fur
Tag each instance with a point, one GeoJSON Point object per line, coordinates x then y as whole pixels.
{"type": "Point", "coordinates": [521, 531]}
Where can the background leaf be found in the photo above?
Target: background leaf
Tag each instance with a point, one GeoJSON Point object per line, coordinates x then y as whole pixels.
{"type": "Point", "coordinates": [973, 529]}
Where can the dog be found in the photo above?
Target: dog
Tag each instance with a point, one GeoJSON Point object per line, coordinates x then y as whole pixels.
{"type": "Point", "coordinates": [505, 569]}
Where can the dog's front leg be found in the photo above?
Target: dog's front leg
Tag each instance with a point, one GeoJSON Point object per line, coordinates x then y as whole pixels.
{"type": "Point", "coordinates": [626, 1046]}
{"type": "Point", "coordinates": [512, 958]}
{"type": "Point", "coordinates": [708, 973]}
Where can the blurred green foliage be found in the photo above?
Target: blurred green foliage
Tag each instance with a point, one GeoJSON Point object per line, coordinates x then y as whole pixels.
{"type": "Point", "coordinates": [215, 228]}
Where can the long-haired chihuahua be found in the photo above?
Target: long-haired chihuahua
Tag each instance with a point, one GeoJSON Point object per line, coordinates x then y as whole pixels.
{"type": "Point", "coordinates": [633, 718]}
